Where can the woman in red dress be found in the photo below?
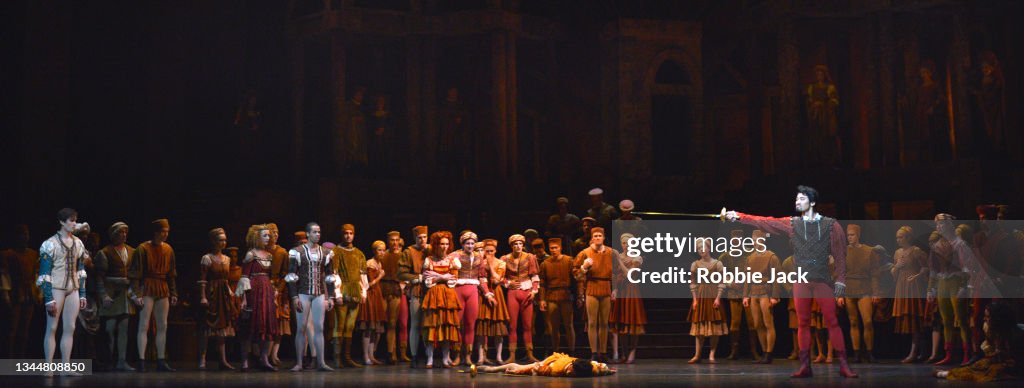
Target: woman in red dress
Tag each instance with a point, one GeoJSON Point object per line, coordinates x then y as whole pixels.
{"type": "Point", "coordinates": [259, 316]}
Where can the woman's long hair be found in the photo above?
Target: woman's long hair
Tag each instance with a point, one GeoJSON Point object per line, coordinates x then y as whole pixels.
{"type": "Point", "coordinates": [252, 238]}
{"type": "Point", "coordinates": [435, 243]}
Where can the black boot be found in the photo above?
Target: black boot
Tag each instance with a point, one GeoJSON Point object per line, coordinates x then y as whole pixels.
{"type": "Point", "coordinates": [868, 357]}
{"type": "Point", "coordinates": [142, 366]}
{"type": "Point", "coordinates": [161, 365]}
{"type": "Point", "coordinates": [856, 357]}
{"type": "Point", "coordinates": [766, 359]}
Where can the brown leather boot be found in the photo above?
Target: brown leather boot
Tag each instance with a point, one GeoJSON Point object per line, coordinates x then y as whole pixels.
{"type": "Point", "coordinates": [529, 353]}
{"type": "Point", "coordinates": [347, 356]}
{"type": "Point", "coordinates": [402, 354]}
{"type": "Point", "coordinates": [844, 367]}
{"type": "Point", "coordinates": [336, 343]}
{"type": "Point", "coordinates": [511, 353]}
{"type": "Point", "coordinates": [805, 365]}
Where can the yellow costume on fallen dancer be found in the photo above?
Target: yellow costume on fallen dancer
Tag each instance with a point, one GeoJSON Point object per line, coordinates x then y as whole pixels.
{"type": "Point", "coordinates": [556, 365]}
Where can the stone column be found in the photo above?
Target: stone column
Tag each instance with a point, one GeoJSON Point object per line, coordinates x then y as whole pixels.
{"type": "Point", "coordinates": [959, 66]}
{"type": "Point", "coordinates": [786, 145]}
{"type": "Point", "coordinates": [413, 104]}
{"type": "Point", "coordinates": [297, 56]}
{"type": "Point", "coordinates": [888, 139]}
{"type": "Point", "coordinates": [500, 103]}
{"type": "Point", "coordinates": [429, 98]}
{"type": "Point", "coordinates": [511, 101]}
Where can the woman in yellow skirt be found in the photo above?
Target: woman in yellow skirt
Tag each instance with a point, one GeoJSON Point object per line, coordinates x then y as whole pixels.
{"type": "Point", "coordinates": [706, 315]}
{"type": "Point", "coordinates": [628, 311]}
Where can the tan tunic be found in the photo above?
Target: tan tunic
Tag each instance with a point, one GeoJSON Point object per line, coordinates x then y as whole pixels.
{"type": "Point", "coordinates": [598, 281]}
{"type": "Point", "coordinates": [765, 263]}
{"type": "Point", "coordinates": [861, 268]}
{"type": "Point", "coordinates": [556, 278]}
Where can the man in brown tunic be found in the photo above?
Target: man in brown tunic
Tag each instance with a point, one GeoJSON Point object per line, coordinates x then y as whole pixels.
{"type": "Point", "coordinates": [737, 313]}
{"type": "Point", "coordinates": [555, 295]}
{"type": "Point", "coordinates": [350, 265]}
{"type": "Point", "coordinates": [593, 269]}
{"type": "Point", "coordinates": [759, 298]}
{"type": "Point", "coordinates": [861, 292]}
{"type": "Point", "coordinates": [19, 267]}
{"type": "Point", "coordinates": [410, 268]}
{"type": "Point", "coordinates": [112, 263]}
{"type": "Point", "coordinates": [152, 274]}
{"type": "Point", "coordinates": [282, 304]}
{"type": "Point", "coordinates": [392, 292]}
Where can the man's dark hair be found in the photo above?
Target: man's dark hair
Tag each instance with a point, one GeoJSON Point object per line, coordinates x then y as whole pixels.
{"type": "Point", "coordinates": [66, 213]}
{"type": "Point", "coordinates": [810, 192]}
{"type": "Point", "coordinates": [581, 368]}
{"type": "Point", "coordinates": [309, 226]}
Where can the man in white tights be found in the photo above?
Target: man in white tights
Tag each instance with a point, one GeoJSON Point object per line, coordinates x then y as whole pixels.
{"type": "Point", "coordinates": [62, 279]}
{"type": "Point", "coordinates": [310, 285]}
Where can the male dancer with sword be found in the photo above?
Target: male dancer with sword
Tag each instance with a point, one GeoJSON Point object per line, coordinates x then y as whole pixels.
{"type": "Point", "coordinates": [814, 238]}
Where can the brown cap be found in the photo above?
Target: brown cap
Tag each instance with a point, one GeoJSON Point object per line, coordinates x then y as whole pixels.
{"type": "Point", "coordinates": [596, 229]}
{"type": "Point", "coordinates": [348, 227]}
{"type": "Point", "coordinates": [418, 230]}
{"type": "Point", "coordinates": [554, 241]}
{"type": "Point", "coordinates": [160, 224]}
{"type": "Point", "coordinates": [516, 237]}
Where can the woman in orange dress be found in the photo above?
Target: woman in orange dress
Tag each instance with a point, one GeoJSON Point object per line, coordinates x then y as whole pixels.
{"type": "Point", "coordinates": [628, 309]}
{"type": "Point", "coordinates": [372, 314]}
{"type": "Point", "coordinates": [440, 323]}
{"type": "Point", "coordinates": [706, 315]}
{"type": "Point", "coordinates": [910, 269]}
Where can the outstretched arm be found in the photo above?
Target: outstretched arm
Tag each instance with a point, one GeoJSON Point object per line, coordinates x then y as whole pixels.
{"type": "Point", "coordinates": [778, 225]}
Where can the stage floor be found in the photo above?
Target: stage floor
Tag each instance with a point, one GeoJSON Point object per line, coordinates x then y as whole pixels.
{"type": "Point", "coordinates": [663, 372]}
